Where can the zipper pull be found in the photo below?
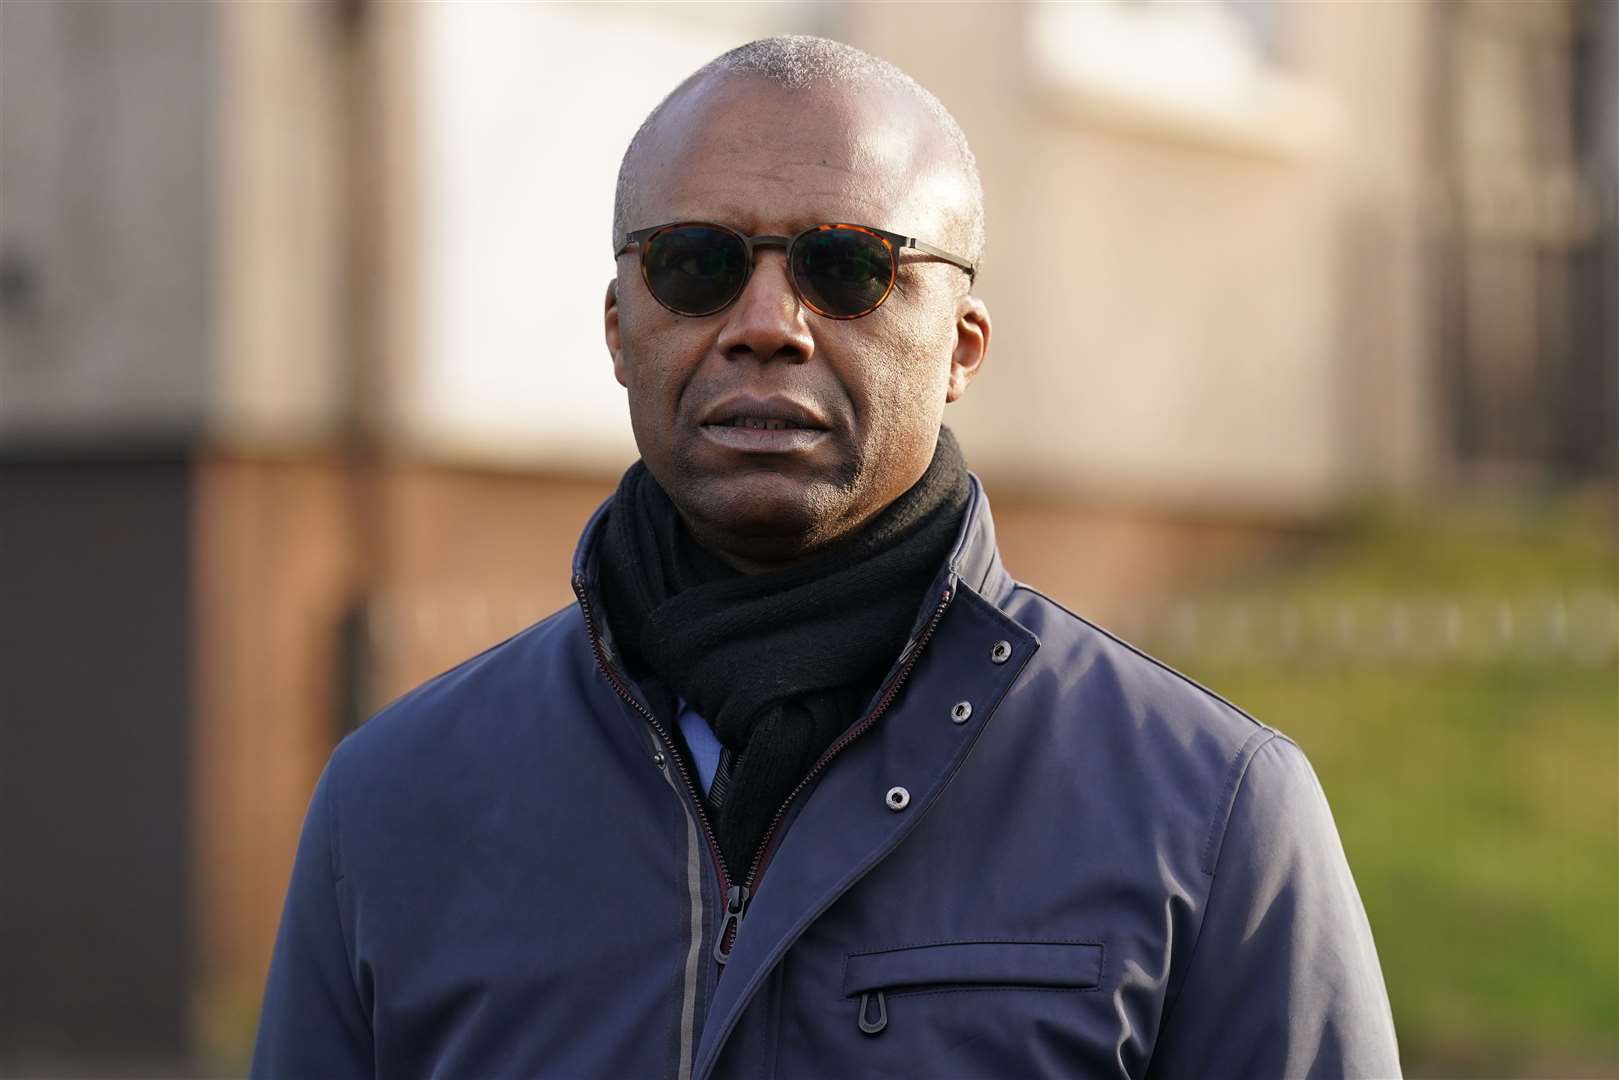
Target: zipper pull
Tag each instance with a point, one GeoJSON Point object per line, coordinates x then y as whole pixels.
{"type": "Point", "coordinates": [873, 1025]}
{"type": "Point", "coordinates": [736, 902]}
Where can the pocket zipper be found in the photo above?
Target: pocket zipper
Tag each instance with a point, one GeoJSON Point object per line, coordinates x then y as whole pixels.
{"type": "Point", "coordinates": [874, 1027]}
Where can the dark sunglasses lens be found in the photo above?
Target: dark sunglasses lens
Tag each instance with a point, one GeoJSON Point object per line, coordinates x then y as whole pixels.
{"type": "Point", "coordinates": [694, 269]}
{"type": "Point", "coordinates": [843, 272]}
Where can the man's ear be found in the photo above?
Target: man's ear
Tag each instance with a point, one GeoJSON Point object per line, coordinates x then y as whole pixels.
{"type": "Point", "coordinates": [610, 327]}
{"type": "Point", "coordinates": [972, 345]}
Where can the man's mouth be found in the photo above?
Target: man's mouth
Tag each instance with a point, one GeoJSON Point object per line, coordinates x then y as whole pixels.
{"type": "Point", "coordinates": [771, 425]}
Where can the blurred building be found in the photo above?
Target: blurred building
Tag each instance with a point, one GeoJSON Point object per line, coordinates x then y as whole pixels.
{"type": "Point", "coordinates": [303, 398]}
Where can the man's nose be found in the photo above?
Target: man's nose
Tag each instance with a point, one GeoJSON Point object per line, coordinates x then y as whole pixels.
{"type": "Point", "coordinates": [767, 322]}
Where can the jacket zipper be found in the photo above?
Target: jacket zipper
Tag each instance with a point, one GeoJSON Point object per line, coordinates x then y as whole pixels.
{"type": "Point", "coordinates": [623, 691]}
{"type": "Point", "coordinates": [737, 896]}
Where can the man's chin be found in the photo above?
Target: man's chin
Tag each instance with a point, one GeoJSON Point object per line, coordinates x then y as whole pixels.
{"type": "Point", "coordinates": [765, 516]}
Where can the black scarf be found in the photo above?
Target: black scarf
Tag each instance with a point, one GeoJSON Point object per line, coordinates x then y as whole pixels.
{"type": "Point", "coordinates": [780, 663]}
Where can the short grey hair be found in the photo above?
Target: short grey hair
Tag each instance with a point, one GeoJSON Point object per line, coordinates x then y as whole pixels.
{"type": "Point", "coordinates": [798, 61]}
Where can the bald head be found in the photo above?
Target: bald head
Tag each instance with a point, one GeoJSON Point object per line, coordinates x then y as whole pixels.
{"type": "Point", "coordinates": [911, 128]}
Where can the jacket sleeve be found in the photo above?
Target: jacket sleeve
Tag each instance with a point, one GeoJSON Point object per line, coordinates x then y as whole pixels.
{"type": "Point", "coordinates": [1283, 980]}
{"type": "Point", "coordinates": [313, 1021]}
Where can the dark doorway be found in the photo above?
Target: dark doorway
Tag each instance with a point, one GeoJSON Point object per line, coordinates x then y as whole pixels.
{"type": "Point", "coordinates": [95, 716]}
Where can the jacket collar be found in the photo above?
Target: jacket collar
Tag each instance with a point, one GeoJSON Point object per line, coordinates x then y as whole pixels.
{"type": "Point", "coordinates": [974, 561]}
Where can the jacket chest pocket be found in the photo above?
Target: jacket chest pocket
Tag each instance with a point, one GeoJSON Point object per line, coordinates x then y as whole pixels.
{"type": "Point", "coordinates": [945, 967]}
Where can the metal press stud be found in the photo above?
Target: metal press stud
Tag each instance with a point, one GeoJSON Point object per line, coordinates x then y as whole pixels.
{"type": "Point", "coordinates": [898, 799]}
{"type": "Point", "coordinates": [657, 759]}
{"type": "Point", "coordinates": [1000, 652]}
{"type": "Point", "coordinates": [961, 711]}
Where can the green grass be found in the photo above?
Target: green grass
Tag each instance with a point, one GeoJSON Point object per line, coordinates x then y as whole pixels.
{"type": "Point", "coordinates": [1478, 803]}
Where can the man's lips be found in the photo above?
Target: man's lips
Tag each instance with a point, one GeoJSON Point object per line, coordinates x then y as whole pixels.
{"type": "Point", "coordinates": [754, 440]}
{"type": "Point", "coordinates": [764, 425]}
{"type": "Point", "coordinates": [746, 410]}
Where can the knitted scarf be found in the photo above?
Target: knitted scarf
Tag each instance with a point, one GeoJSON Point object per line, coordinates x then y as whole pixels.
{"type": "Point", "coordinates": [780, 663]}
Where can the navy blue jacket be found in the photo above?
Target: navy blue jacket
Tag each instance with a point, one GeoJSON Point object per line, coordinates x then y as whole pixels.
{"type": "Point", "coordinates": [1039, 854]}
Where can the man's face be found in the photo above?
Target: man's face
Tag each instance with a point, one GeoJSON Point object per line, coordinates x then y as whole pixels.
{"type": "Point", "coordinates": [863, 397]}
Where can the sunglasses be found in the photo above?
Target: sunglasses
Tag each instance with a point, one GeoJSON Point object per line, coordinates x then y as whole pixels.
{"type": "Point", "coordinates": [840, 271]}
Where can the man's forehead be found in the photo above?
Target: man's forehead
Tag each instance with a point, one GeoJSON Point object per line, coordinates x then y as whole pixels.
{"type": "Point", "coordinates": [748, 148]}
{"type": "Point", "coordinates": [770, 187]}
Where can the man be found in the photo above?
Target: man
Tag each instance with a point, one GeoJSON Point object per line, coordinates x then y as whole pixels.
{"type": "Point", "coordinates": [805, 784]}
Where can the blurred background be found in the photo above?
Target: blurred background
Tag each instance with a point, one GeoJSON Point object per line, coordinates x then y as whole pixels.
{"type": "Point", "coordinates": [1304, 378]}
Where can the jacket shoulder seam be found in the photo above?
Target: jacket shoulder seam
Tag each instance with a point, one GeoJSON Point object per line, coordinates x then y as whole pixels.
{"type": "Point", "coordinates": [1236, 771]}
{"type": "Point", "coordinates": [334, 839]}
{"type": "Point", "coordinates": [1212, 852]}
{"type": "Point", "coordinates": [334, 833]}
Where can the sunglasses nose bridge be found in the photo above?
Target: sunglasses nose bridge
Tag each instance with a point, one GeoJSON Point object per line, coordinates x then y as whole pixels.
{"type": "Point", "coordinates": [770, 281]}
{"type": "Point", "coordinates": [767, 318]}
{"type": "Point", "coordinates": [758, 248]}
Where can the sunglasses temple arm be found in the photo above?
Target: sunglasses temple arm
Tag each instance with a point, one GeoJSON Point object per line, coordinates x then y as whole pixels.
{"type": "Point", "coordinates": [635, 239]}
{"type": "Point", "coordinates": [940, 253]}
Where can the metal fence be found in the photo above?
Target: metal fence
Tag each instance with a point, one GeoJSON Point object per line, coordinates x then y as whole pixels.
{"type": "Point", "coordinates": [1574, 628]}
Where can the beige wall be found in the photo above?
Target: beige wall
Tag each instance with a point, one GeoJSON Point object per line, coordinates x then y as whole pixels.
{"type": "Point", "coordinates": [1377, 60]}
{"type": "Point", "coordinates": [282, 230]}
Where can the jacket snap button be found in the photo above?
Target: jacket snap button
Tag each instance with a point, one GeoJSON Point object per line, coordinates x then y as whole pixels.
{"type": "Point", "coordinates": [898, 798]}
{"type": "Point", "coordinates": [657, 759]}
{"type": "Point", "coordinates": [1000, 652]}
{"type": "Point", "coordinates": [961, 712]}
